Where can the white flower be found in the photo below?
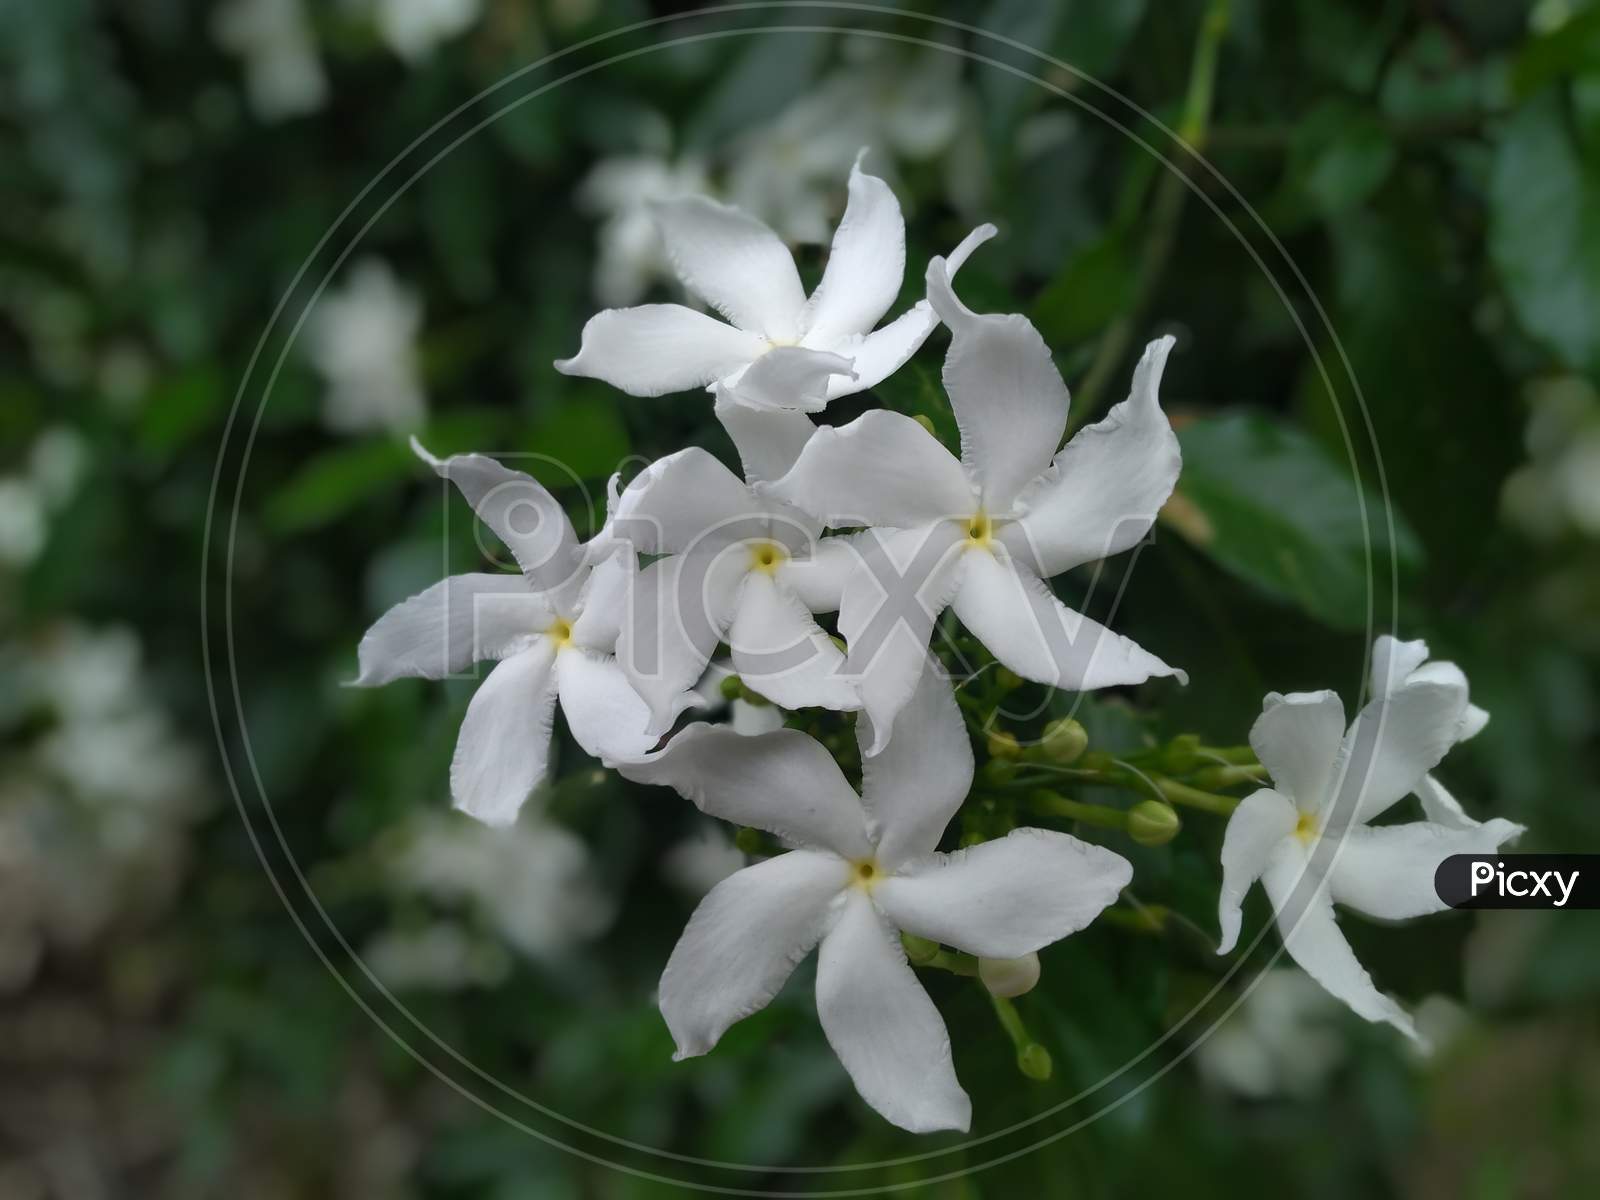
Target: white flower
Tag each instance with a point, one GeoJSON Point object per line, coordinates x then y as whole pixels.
{"type": "Point", "coordinates": [738, 567]}
{"type": "Point", "coordinates": [743, 716]}
{"type": "Point", "coordinates": [1308, 839]}
{"type": "Point", "coordinates": [552, 630]}
{"type": "Point", "coordinates": [283, 75]}
{"type": "Point", "coordinates": [864, 868]}
{"type": "Point", "coordinates": [981, 534]}
{"type": "Point", "coordinates": [1281, 1040]}
{"type": "Point", "coordinates": [57, 464]}
{"type": "Point", "coordinates": [699, 862]}
{"type": "Point", "coordinates": [780, 349]}
{"type": "Point", "coordinates": [23, 526]}
{"type": "Point", "coordinates": [414, 28]}
{"type": "Point", "coordinates": [363, 341]}
{"type": "Point", "coordinates": [622, 190]}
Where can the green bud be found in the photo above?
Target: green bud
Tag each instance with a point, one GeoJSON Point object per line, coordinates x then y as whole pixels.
{"type": "Point", "coordinates": [1033, 1060]}
{"type": "Point", "coordinates": [1003, 744]}
{"type": "Point", "coordinates": [926, 423]}
{"type": "Point", "coordinates": [919, 950]}
{"type": "Point", "coordinates": [750, 841]}
{"type": "Point", "coordinates": [1008, 977]}
{"type": "Point", "coordinates": [1153, 823]}
{"type": "Point", "coordinates": [1064, 741]}
{"type": "Point", "coordinates": [839, 642]}
{"type": "Point", "coordinates": [971, 838]}
{"type": "Point", "coordinates": [731, 687]}
{"type": "Point", "coordinates": [998, 770]}
{"type": "Point", "coordinates": [1007, 679]}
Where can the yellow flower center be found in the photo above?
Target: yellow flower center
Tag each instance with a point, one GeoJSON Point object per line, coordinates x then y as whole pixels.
{"type": "Point", "coordinates": [767, 556]}
{"type": "Point", "coordinates": [866, 873]}
{"type": "Point", "coordinates": [560, 632]}
{"type": "Point", "coordinates": [980, 529]}
{"type": "Point", "coordinates": [1306, 828]}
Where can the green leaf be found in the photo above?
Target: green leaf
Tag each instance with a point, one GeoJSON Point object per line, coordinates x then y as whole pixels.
{"type": "Point", "coordinates": [576, 440]}
{"type": "Point", "coordinates": [333, 482]}
{"type": "Point", "coordinates": [1544, 235]}
{"type": "Point", "coordinates": [1341, 156]}
{"type": "Point", "coordinates": [1266, 503]}
{"type": "Point", "coordinates": [1092, 290]}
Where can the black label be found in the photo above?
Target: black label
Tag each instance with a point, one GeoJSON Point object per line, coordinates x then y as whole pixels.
{"type": "Point", "coordinates": [1519, 881]}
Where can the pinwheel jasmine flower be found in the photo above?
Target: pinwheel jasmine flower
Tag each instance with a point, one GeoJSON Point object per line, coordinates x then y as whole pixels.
{"type": "Point", "coordinates": [982, 534]}
{"type": "Point", "coordinates": [737, 566]}
{"type": "Point", "coordinates": [779, 349]}
{"type": "Point", "coordinates": [863, 869]}
{"type": "Point", "coordinates": [1308, 838]}
{"type": "Point", "coordinates": [552, 630]}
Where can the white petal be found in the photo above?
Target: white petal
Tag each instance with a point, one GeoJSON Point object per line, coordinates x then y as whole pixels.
{"type": "Point", "coordinates": [779, 650]}
{"type": "Point", "coordinates": [1393, 661]}
{"type": "Point", "coordinates": [443, 630]}
{"type": "Point", "coordinates": [658, 348]}
{"type": "Point", "coordinates": [605, 714]}
{"type": "Point", "coordinates": [880, 354]}
{"type": "Point", "coordinates": [1262, 820]}
{"type": "Point", "coordinates": [880, 469]}
{"type": "Point", "coordinates": [768, 442]}
{"type": "Point", "coordinates": [887, 613]}
{"type": "Point", "coordinates": [1440, 807]}
{"type": "Point", "coordinates": [1007, 897]}
{"type": "Point", "coordinates": [915, 784]}
{"type": "Point", "coordinates": [680, 607]}
{"type": "Point", "coordinates": [1013, 613]}
{"type": "Point", "coordinates": [865, 266]}
{"type": "Point", "coordinates": [504, 745]}
{"type": "Point", "coordinates": [784, 782]}
{"type": "Point", "coordinates": [1102, 492]}
{"type": "Point", "coordinates": [735, 263]}
{"type": "Point", "coordinates": [604, 603]}
{"type": "Point", "coordinates": [883, 1026]}
{"type": "Point", "coordinates": [750, 719]}
{"type": "Point", "coordinates": [1387, 872]}
{"type": "Point", "coordinates": [819, 577]}
{"type": "Point", "coordinates": [1472, 723]}
{"type": "Point", "coordinates": [1297, 738]}
{"type": "Point", "coordinates": [522, 514]}
{"type": "Point", "coordinates": [1008, 397]}
{"type": "Point", "coordinates": [1313, 938]}
{"type": "Point", "coordinates": [1395, 741]}
{"type": "Point", "coordinates": [788, 378]}
{"type": "Point", "coordinates": [686, 501]}
{"type": "Point", "coordinates": [742, 943]}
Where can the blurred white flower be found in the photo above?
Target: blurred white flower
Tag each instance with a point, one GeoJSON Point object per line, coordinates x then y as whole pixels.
{"type": "Point", "coordinates": [699, 862]}
{"type": "Point", "coordinates": [1282, 1040]}
{"type": "Point", "coordinates": [413, 29]}
{"type": "Point", "coordinates": [1557, 491]}
{"type": "Point", "coordinates": [620, 190]}
{"type": "Point", "coordinates": [440, 955]}
{"type": "Point", "coordinates": [533, 881]}
{"type": "Point", "coordinates": [283, 74]}
{"type": "Point", "coordinates": [57, 463]}
{"type": "Point", "coordinates": [362, 338]}
{"type": "Point", "coordinates": [22, 521]}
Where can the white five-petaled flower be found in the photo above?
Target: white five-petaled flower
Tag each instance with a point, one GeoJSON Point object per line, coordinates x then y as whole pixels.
{"type": "Point", "coordinates": [780, 349]}
{"type": "Point", "coordinates": [983, 533]}
{"type": "Point", "coordinates": [863, 869]}
{"type": "Point", "coordinates": [737, 566]}
{"type": "Point", "coordinates": [1308, 838]}
{"type": "Point", "coordinates": [552, 630]}
{"type": "Point", "coordinates": [362, 339]}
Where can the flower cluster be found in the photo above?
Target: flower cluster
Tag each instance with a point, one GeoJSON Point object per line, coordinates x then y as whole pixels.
{"type": "Point", "coordinates": [877, 521]}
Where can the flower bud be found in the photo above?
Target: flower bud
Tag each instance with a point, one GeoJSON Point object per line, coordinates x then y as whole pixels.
{"type": "Point", "coordinates": [1064, 741]}
{"type": "Point", "coordinates": [750, 841]}
{"type": "Point", "coordinates": [1008, 977]}
{"type": "Point", "coordinates": [1007, 679]}
{"type": "Point", "coordinates": [919, 950]}
{"type": "Point", "coordinates": [926, 422]}
{"type": "Point", "coordinates": [1033, 1060]}
{"type": "Point", "coordinates": [731, 687]}
{"type": "Point", "coordinates": [1153, 823]}
{"type": "Point", "coordinates": [1003, 745]}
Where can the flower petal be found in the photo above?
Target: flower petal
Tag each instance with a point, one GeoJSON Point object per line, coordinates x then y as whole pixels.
{"type": "Point", "coordinates": [783, 782]}
{"type": "Point", "coordinates": [768, 441]}
{"type": "Point", "coordinates": [880, 469]}
{"type": "Point", "coordinates": [779, 650]}
{"type": "Point", "coordinates": [1102, 492]}
{"type": "Point", "coordinates": [788, 378]}
{"type": "Point", "coordinates": [1013, 613]}
{"type": "Point", "coordinates": [819, 578]}
{"type": "Point", "coordinates": [1395, 741]}
{"type": "Point", "coordinates": [743, 942]}
{"type": "Point", "coordinates": [882, 1025]}
{"type": "Point", "coordinates": [445, 629]}
{"type": "Point", "coordinates": [865, 266]}
{"type": "Point", "coordinates": [1008, 397]}
{"type": "Point", "coordinates": [887, 612]}
{"type": "Point", "coordinates": [686, 501]}
{"type": "Point", "coordinates": [658, 348]}
{"type": "Point", "coordinates": [1387, 872]}
{"type": "Point", "coordinates": [915, 784]}
{"type": "Point", "coordinates": [1007, 897]}
{"type": "Point", "coordinates": [606, 716]}
{"type": "Point", "coordinates": [1262, 820]}
{"type": "Point", "coordinates": [504, 745]}
{"type": "Point", "coordinates": [604, 603]}
{"type": "Point", "coordinates": [680, 607]}
{"type": "Point", "coordinates": [1440, 807]}
{"type": "Point", "coordinates": [1297, 738]}
{"type": "Point", "coordinates": [522, 514]}
{"type": "Point", "coordinates": [734, 263]}
{"type": "Point", "coordinates": [1393, 661]}
{"type": "Point", "coordinates": [1313, 939]}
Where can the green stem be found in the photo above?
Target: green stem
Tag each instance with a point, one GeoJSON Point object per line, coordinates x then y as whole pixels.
{"type": "Point", "coordinates": [1230, 776]}
{"type": "Point", "coordinates": [1181, 793]}
{"type": "Point", "coordinates": [1049, 804]}
{"type": "Point", "coordinates": [1011, 1022]}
